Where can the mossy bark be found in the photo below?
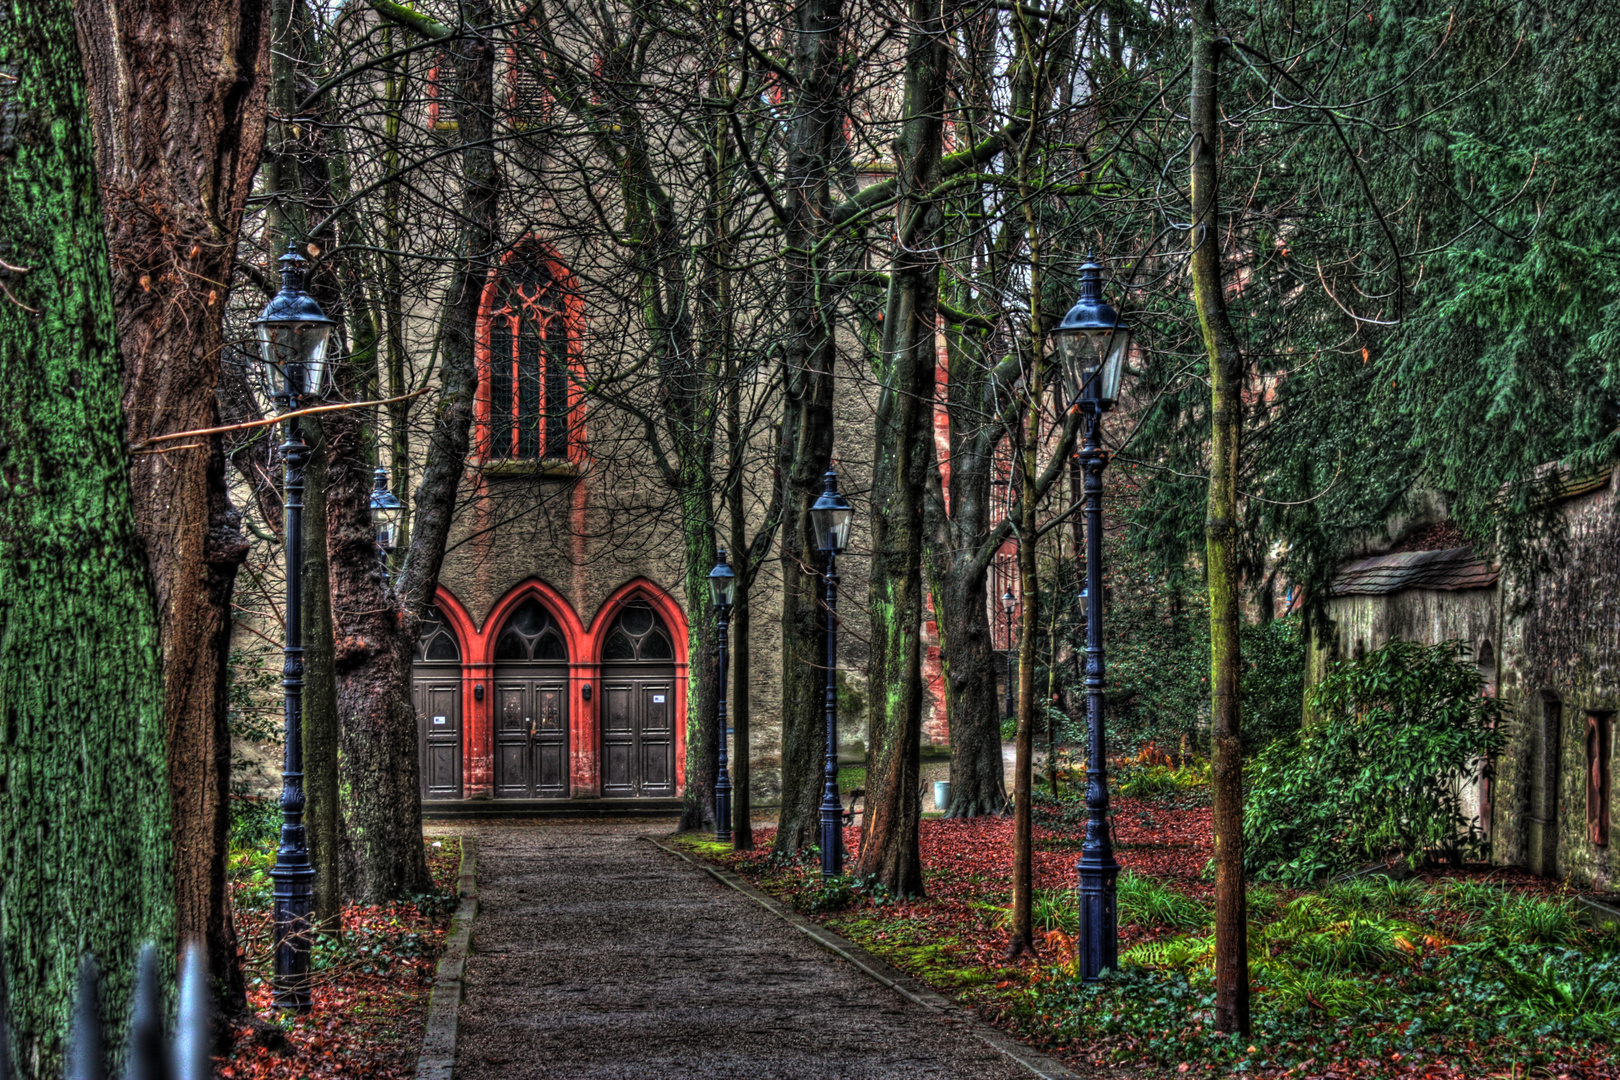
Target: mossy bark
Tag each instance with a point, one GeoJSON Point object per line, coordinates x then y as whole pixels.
{"type": "Point", "coordinates": [85, 814]}
{"type": "Point", "coordinates": [177, 101]}
{"type": "Point", "coordinates": [1226, 368]}
{"type": "Point", "coordinates": [805, 449]}
{"type": "Point", "coordinates": [903, 454]}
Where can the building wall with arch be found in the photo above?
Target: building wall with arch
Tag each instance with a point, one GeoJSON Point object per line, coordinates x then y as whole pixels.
{"type": "Point", "coordinates": [476, 638]}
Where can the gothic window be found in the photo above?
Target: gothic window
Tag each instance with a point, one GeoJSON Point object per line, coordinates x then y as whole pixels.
{"type": "Point", "coordinates": [531, 634]}
{"type": "Point", "coordinates": [637, 634]}
{"type": "Point", "coordinates": [434, 640]}
{"type": "Point", "coordinates": [528, 100]}
{"type": "Point", "coordinates": [441, 94]}
{"type": "Point", "coordinates": [526, 330]}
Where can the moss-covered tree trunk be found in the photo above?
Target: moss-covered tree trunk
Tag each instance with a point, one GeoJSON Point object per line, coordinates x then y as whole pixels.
{"type": "Point", "coordinates": [85, 815]}
{"type": "Point", "coordinates": [805, 449]}
{"type": "Point", "coordinates": [902, 457]}
{"type": "Point", "coordinates": [1220, 529]}
{"type": "Point", "coordinates": [177, 100]}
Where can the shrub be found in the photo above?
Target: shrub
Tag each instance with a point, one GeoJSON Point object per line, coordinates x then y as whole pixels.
{"type": "Point", "coordinates": [1273, 682]}
{"type": "Point", "coordinates": [1383, 769]}
{"type": "Point", "coordinates": [1155, 781]}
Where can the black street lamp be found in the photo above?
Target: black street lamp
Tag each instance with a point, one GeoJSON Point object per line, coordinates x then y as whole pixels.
{"type": "Point", "coordinates": [293, 334]}
{"type": "Point", "coordinates": [1008, 605]}
{"type": "Point", "coordinates": [722, 592]}
{"type": "Point", "coordinates": [831, 515]}
{"type": "Point", "coordinates": [1092, 342]}
{"type": "Point", "coordinates": [386, 510]}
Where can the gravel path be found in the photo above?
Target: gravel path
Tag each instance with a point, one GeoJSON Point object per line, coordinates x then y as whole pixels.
{"type": "Point", "coordinates": [596, 955]}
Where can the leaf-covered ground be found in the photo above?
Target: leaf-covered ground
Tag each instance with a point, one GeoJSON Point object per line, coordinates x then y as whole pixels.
{"type": "Point", "coordinates": [1472, 973]}
{"type": "Point", "coordinates": [371, 987]}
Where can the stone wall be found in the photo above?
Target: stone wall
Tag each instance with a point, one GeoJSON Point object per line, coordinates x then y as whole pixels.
{"type": "Point", "coordinates": [1561, 664]}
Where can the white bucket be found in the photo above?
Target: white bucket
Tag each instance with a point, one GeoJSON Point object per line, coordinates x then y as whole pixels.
{"type": "Point", "coordinates": [942, 794]}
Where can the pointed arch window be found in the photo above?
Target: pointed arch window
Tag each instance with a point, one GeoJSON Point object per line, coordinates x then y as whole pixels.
{"type": "Point", "coordinates": [531, 634]}
{"type": "Point", "coordinates": [638, 634]}
{"type": "Point", "coordinates": [434, 641]}
{"type": "Point", "coordinates": [527, 336]}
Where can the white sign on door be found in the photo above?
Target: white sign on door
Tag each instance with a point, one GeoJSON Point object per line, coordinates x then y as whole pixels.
{"type": "Point", "coordinates": [658, 699]}
{"type": "Point", "coordinates": [440, 720]}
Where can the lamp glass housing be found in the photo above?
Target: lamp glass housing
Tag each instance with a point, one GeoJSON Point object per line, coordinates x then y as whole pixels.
{"type": "Point", "coordinates": [293, 335]}
{"type": "Point", "coordinates": [1092, 343]}
{"type": "Point", "coordinates": [722, 583]}
{"type": "Point", "coordinates": [831, 516]}
{"type": "Point", "coordinates": [386, 510]}
{"type": "Point", "coordinates": [1008, 602]}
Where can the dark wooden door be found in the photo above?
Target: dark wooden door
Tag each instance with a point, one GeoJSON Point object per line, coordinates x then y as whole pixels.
{"type": "Point", "coordinates": [437, 697]}
{"type": "Point", "coordinates": [638, 735]}
{"type": "Point", "coordinates": [531, 736]}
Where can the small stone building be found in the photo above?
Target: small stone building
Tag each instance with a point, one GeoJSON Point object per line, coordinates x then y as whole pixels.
{"type": "Point", "coordinates": [1548, 644]}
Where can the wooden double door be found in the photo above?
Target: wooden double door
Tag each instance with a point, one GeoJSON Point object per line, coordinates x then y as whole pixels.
{"type": "Point", "coordinates": [638, 733]}
{"type": "Point", "coordinates": [531, 733]}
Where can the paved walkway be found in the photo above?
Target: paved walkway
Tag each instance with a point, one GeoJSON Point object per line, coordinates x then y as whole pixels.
{"type": "Point", "coordinates": [597, 955]}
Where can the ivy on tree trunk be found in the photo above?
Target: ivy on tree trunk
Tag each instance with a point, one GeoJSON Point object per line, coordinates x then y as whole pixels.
{"type": "Point", "coordinates": [85, 817]}
{"type": "Point", "coordinates": [1221, 525]}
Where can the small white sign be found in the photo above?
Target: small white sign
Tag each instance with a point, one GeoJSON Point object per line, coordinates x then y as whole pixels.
{"type": "Point", "coordinates": [439, 721]}
{"type": "Point", "coordinates": [658, 699]}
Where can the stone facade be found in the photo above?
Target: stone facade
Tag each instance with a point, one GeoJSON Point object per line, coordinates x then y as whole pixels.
{"type": "Point", "coordinates": [1549, 645]}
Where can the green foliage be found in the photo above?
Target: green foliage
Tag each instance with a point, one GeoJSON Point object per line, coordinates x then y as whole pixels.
{"type": "Point", "coordinates": [1273, 682]}
{"type": "Point", "coordinates": [255, 823]}
{"type": "Point", "coordinates": [1148, 901]}
{"type": "Point", "coordinates": [1157, 781]}
{"type": "Point", "coordinates": [1361, 970]}
{"type": "Point", "coordinates": [1402, 732]}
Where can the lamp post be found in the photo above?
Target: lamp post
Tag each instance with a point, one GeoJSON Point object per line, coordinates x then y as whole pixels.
{"type": "Point", "coordinates": [722, 591]}
{"type": "Point", "coordinates": [293, 334]}
{"type": "Point", "coordinates": [1008, 604]}
{"type": "Point", "coordinates": [1092, 342]}
{"type": "Point", "coordinates": [831, 515]}
{"type": "Point", "coordinates": [385, 514]}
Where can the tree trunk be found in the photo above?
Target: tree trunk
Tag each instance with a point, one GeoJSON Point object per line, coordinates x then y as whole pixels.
{"type": "Point", "coordinates": [86, 815]}
{"type": "Point", "coordinates": [902, 457]}
{"type": "Point", "coordinates": [1226, 430]}
{"type": "Point", "coordinates": [978, 772]}
{"type": "Point", "coordinates": [177, 99]}
{"type": "Point", "coordinates": [702, 702]}
{"type": "Point", "coordinates": [807, 424]}
{"type": "Point", "coordinates": [384, 857]}
{"type": "Point", "coordinates": [320, 725]}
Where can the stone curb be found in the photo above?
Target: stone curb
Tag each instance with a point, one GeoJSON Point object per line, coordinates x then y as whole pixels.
{"type": "Point", "coordinates": [438, 1058]}
{"type": "Point", "coordinates": [1041, 1065]}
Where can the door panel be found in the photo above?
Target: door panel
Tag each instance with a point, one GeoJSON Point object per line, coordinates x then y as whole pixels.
{"type": "Point", "coordinates": [657, 739]}
{"type": "Point", "coordinates": [550, 741]}
{"type": "Point", "coordinates": [618, 739]}
{"type": "Point", "coordinates": [512, 715]}
{"type": "Point", "coordinates": [438, 710]}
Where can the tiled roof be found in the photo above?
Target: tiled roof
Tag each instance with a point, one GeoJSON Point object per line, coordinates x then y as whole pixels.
{"type": "Point", "coordinates": [1449, 570]}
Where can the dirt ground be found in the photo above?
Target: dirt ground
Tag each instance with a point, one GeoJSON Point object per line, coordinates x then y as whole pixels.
{"type": "Point", "coordinates": [597, 955]}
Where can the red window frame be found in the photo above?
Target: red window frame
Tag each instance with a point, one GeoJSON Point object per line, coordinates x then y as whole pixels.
{"type": "Point", "coordinates": [529, 406]}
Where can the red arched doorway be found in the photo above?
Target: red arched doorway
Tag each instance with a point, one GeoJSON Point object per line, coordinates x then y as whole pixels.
{"type": "Point", "coordinates": [531, 705]}
{"type": "Point", "coordinates": [436, 693]}
{"type": "Point", "coordinates": [639, 730]}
